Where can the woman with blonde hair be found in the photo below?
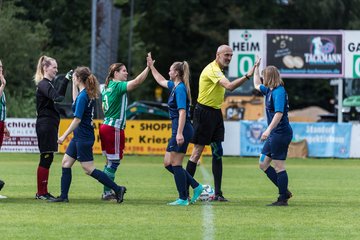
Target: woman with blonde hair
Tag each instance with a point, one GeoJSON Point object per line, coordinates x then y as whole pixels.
{"type": "Point", "coordinates": [278, 134]}
{"type": "Point", "coordinates": [182, 131]}
{"type": "Point", "coordinates": [47, 120]}
{"type": "Point", "coordinates": [85, 91]}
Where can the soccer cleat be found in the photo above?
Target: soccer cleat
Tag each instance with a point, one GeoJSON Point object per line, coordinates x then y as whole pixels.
{"type": "Point", "coordinates": [120, 194]}
{"type": "Point", "coordinates": [108, 196]}
{"type": "Point", "coordinates": [46, 196]}
{"type": "Point", "coordinates": [197, 192]}
{"type": "Point", "coordinates": [220, 198]}
{"type": "Point", "coordinates": [3, 197]}
{"type": "Point", "coordinates": [2, 183]}
{"type": "Point", "coordinates": [179, 202]}
{"type": "Point", "coordinates": [279, 202]}
{"type": "Point", "coordinates": [59, 199]}
{"type": "Point", "coordinates": [288, 195]}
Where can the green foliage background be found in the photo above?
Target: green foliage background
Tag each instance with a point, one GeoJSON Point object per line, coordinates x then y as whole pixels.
{"type": "Point", "coordinates": [172, 30]}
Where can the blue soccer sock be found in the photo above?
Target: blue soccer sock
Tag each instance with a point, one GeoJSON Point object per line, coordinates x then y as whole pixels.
{"type": "Point", "coordinates": [105, 180]}
{"type": "Point", "coordinates": [170, 169]}
{"type": "Point", "coordinates": [282, 180]}
{"type": "Point", "coordinates": [65, 182]}
{"type": "Point", "coordinates": [180, 181]}
{"type": "Point", "coordinates": [272, 175]}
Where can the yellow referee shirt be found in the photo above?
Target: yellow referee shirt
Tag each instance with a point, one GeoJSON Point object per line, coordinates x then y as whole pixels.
{"type": "Point", "coordinates": [211, 93]}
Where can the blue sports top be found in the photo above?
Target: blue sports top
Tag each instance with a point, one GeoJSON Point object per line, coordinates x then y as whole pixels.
{"type": "Point", "coordinates": [178, 100]}
{"type": "Point", "coordinates": [83, 108]}
{"type": "Point", "coordinates": [276, 101]}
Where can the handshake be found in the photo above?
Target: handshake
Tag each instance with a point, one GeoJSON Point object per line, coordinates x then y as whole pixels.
{"type": "Point", "coordinates": [69, 75]}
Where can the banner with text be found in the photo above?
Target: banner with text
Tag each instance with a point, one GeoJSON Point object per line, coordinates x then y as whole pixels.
{"type": "Point", "coordinates": [324, 139]}
{"type": "Point", "coordinates": [143, 137]}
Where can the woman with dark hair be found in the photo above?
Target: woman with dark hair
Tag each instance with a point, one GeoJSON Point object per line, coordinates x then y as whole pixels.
{"type": "Point", "coordinates": [278, 134]}
{"type": "Point", "coordinates": [47, 120]}
{"type": "Point", "coordinates": [85, 91]}
{"type": "Point", "coordinates": [112, 130]}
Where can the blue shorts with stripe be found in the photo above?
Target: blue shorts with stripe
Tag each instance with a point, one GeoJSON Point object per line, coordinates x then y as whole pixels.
{"type": "Point", "coordinates": [81, 150]}
{"type": "Point", "coordinates": [187, 133]}
{"type": "Point", "coordinates": [276, 146]}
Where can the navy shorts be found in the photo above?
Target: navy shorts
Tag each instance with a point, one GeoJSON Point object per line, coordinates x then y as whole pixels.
{"type": "Point", "coordinates": [208, 125]}
{"type": "Point", "coordinates": [276, 146]}
{"type": "Point", "coordinates": [80, 150]}
{"type": "Point", "coordinates": [187, 133]}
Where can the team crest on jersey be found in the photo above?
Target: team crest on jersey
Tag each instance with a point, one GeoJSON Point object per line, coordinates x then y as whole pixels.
{"type": "Point", "coordinates": [254, 132]}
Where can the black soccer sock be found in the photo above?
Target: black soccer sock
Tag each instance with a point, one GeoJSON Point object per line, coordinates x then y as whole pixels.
{"type": "Point", "coordinates": [191, 168]}
{"type": "Point", "coordinates": [282, 180]}
{"type": "Point", "coordinates": [271, 174]}
{"type": "Point", "coordinates": [217, 172]}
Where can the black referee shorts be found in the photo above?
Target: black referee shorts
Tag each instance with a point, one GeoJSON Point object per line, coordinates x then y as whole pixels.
{"type": "Point", "coordinates": [208, 125]}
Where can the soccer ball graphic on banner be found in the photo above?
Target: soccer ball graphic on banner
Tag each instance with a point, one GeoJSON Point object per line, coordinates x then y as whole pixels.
{"type": "Point", "coordinates": [207, 194]}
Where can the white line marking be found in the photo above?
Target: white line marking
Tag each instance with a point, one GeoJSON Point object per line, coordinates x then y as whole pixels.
{"type": "Point", "coordinates": [207, 211]}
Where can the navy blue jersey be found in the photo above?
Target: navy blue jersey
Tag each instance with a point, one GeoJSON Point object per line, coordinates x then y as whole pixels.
{"type": "Point", "coordinates": [276, 101]}
{"type": "Point", "coordinates": [83, 108]}
{"type": "Point", "coordinates": [178, 100]}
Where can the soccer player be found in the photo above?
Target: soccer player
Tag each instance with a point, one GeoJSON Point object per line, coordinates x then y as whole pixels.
{"type": "Point", "coordinates": [182, 130]}
{"type": "Point", "coordinates": [3, 129]}
{"type": "Point", "coordinates": [85, 91]}
{"type": "Point", "coordinates": [112, 130]}
{"type": "Point", "coordinates": [208, 121]}
{"type": "Point", "coordinates": [47, 120]}
{"type": "Point", "coordinates": [278, 134]}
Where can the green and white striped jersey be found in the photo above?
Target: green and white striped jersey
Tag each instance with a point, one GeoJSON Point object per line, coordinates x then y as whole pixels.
{"type": "Point", "coordinates": [2, 107]}
{"type": "Point", "coordinates": [114, 102]}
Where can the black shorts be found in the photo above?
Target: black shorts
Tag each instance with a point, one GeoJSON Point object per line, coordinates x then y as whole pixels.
{"type": "Point", "coordinates": [47, 135]}
{"type": "Point", "coordinates": [208, 125]}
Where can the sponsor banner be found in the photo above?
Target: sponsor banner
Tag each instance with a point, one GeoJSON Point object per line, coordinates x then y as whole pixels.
{"type": "Point", "coordinates": [246, 45]}
{"type": "Point", "coordinates": [251, 132]}
{"type": "Point", "coordinates": [325, 139]}
{"type": "Point", "coordinates": [23, 136]}
{"type": "Point", "coordinates": [352, 54]}
{"type": "Point", "coordinates": [143, 137]}
{"type": "Point", "coordinates": [310, 54]}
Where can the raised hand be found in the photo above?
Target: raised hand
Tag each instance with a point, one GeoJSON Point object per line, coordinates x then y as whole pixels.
{"type": "Point", "coordinates": [69, 75]}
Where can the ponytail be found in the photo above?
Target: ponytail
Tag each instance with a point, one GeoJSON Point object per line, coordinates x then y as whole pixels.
{"type": "Point", "coordinates": [44, 61]}
{"type": "Point", "coordinates": [89, 80]}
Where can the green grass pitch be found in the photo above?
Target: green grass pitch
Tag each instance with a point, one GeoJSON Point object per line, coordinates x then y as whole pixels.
{"type": "Point", "coordinates": [325, 205]}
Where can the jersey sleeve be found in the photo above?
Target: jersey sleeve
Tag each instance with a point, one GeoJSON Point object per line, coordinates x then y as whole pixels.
{"type": "Point", "coordinates": [80, 105]}
{"type": "Point", "coordinates": [48, 90]}
{"type": "Point", "coordinates": [170, 85]}
{"type": "Point", "coordinates": [215, 75]}
{"type": "Point", "coordinates": [279, 99]}
{"type": "Point", "coordinates": [121, 87]}
{"type": "Point", "coordinates": [181, 96]}
{"type": "Point", "coordinates": [263, 89]}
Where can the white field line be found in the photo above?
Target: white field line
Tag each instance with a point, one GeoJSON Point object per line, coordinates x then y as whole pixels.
{"type": "Point", "coordinates": [207, 210]}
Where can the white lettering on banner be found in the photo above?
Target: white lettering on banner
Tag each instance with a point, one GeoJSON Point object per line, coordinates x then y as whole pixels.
{"type": "Point", "coordinates": [321, 139]}
{"type": "Point", "coordinates": [322, 58]}
{"type": "Point", "coordinates": [321, 129]}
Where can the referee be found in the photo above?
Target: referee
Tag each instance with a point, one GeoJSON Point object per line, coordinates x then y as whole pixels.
{"type": "Point", "coordinates": [208, 121]}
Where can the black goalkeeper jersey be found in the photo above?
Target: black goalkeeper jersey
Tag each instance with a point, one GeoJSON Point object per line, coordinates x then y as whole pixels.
{"type": "Point", "coordinates": [46, 96]}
